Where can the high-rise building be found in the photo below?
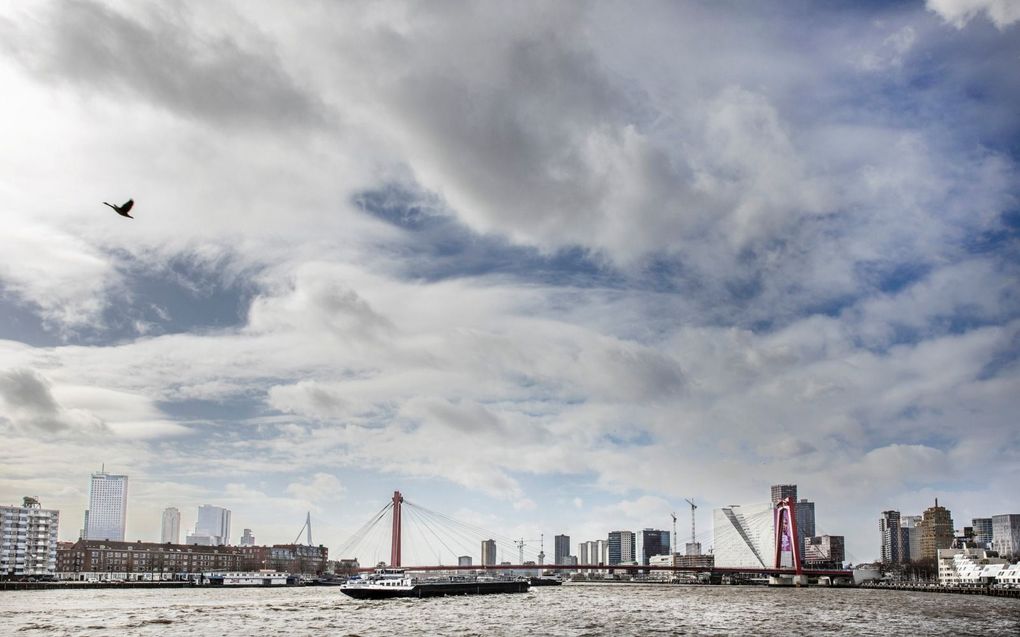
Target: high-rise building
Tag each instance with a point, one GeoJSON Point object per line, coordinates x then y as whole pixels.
{"type": "Point", "coordinates": [936, 531]}
{"type": "Point", "coordinates": [910, 538]}
{"type": "Point", "coordinates": [621, 547]}
{"type": "Point", "coordinates": [782, 491]}
{"type": "Point", "coordinates": [582, 553]}
{"type": "Point", "coordinates": [561, 548]}
{"type": "Point", "coordinates": [982, 532]}
{"type": "Point", "coordinates": [892, 545]}
{"type": "Point", "coordinates": [28, 539]}
{"type": "Point", "coordinates": [651, 542]}
{"type": "Point", "coordinates": [106, 517]}
{"type": "Point", "coordinates": [170, 530]}
{"type": "Point", "coordinates": [464, 560]}
{"type": "Point", "coordinates": [1006, 534]}
{"type": "Point", "coordinates": [247, 538]}
{"type": "Point", "coordinates": [488, 552]}
{"type": "Point", "coordinates": [212, 528]}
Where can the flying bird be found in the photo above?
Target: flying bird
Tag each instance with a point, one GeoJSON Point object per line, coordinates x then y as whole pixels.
{"type": "Point", "coordinates": [124, 208]}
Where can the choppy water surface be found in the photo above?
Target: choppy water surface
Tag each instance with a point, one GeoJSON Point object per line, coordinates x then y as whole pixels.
{"type": "Point", "coordinates": [565, 610]}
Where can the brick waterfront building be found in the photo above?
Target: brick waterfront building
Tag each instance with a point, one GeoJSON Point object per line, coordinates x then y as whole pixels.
{"type": "Point", "coordinates": [104, 559]}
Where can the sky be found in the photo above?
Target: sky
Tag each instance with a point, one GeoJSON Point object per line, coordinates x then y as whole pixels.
{"type": "Point", "coordinates": [542, 267]}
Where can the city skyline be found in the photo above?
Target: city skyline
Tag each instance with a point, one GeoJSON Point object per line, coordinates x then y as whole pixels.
{"type": "Point", "coordinates": [545, 267]}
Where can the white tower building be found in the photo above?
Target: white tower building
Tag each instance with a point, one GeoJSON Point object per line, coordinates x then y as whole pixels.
{"type": "Point", "coordinates": [171, 528]}
{"type": "Point", "coordinates": [107, 514]}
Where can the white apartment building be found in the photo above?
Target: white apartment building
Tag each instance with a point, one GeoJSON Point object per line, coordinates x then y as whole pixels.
{"type": "Point", "coordinates": [106, 517]}
{"type": "Point", "coordinates": [28, 539]}
{"type": "Point", "coordinates": [170, 532]}
{"type": "Point", "coordinates": [969, 567]}
{"type": "Point", "coordinates": [212, 527]}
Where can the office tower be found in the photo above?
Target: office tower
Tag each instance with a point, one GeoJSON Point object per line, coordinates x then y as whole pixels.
{"type": "Point", "coordinates": [561, 548]}
{"type": "Point", "coordinates": [488, 552]}
{"type": "Point", "coordinates": [910, 538]}
{"type": "Point", "coordinates": [652, 542]}
{"type": "Point", "coordinates": [982, 532]}
{"type": "Point", "coordinates": [621, 547]}
{"type": "Point", "coordinates": [936, 531]}
{"type": "Point", "coordinates": [247, 538]}
{"type": "Point", "coordinates": [743, 536]}
{"type": "Point", "coordinates": [1006, 534]}
{"type": "Point", "coordinates": [28, 539]}
{"type": "Point", "coordinates": [212, 527]}
{"type": "Point", "coordinates": [171, 528]}
{"type": "Point", "coordinates": [107, 514]}
{"type": "Point", "coordinates": [582, 553]}
{"type": "Point", "coordinates": [892, 546]}
{"type": "Point", "coordinates": [464, 560]}
{"type": "Point", "coordinates": [782, 491]}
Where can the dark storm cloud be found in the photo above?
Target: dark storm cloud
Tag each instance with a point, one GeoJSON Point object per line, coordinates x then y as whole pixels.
{"type": "Point", "coordinates": [31, 405]}
{"type": "Point", "coordinates": [166, 59]}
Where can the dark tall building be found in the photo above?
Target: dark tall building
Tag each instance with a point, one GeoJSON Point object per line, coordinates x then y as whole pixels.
{"type": "Point", "coordinates": [892, 544]}
{"type": "Point", "coordinates": [982, 532]}
{"type": "Point", "coordinates": [621, 547]}
{"type": "Point", "coordinates": [652, 542]}
{"type": "Point", "coordinates": [561, 549]}
{"type": "Point", "coordinates": [783, 491]}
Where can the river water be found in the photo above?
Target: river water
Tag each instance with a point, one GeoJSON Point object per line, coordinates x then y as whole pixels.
{"type": "Point", "coordinates": [625, 609]}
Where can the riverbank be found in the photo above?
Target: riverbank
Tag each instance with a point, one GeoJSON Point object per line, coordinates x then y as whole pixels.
{"type": "Point", "coordinates": [1012, 593]}
{"type": "Point", "coordinates": [42, 586]}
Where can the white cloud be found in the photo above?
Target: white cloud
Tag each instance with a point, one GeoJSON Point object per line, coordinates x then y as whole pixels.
{"type": "Point", "coordinates": [1002, 13]}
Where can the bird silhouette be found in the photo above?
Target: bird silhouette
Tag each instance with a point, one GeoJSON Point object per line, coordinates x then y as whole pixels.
{"type": "Point", "coordinates": [123, 209]}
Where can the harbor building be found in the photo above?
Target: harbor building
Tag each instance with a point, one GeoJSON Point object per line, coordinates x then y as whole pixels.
{"type": "Point", "coordinates": [488, 552]}
{"type": "Point", "coordinates": [743, 536]}
{"type": "Point", "coordinates": [561, 548]}
{"type": "Point", "coordinates": [936, 531]}
{"type": "Point", "coordinates": [170, 529]}
{"type": "Point", "coordinates": [106, 517]}
{"type": "Point", "coordinates": [87, 560]}
{"type": "Point", "coordinates": [1006, 534]}
{"type": "Point", "coordinates": [212, 527]}
{"type": "Point", "coordinates": [28, 539]}
{"type": "Point", "coordinates": [621, 547]}
{"type": "Point", "coordinates": [982, 532]}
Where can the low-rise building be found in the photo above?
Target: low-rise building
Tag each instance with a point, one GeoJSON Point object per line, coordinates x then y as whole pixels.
{"type": "Point", "coordinates": [969, 567]}
{"type": "Point", "coordinates": [824, 551]}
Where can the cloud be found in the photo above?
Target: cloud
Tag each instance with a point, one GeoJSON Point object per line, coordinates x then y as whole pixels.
{"type": "Point", "coordinates": [167, 58]}
{"type": "Point", "coordinates": [322, 487]}
{"type": "Point", "coordinates": [31, 406]}
{"type": "Point", "coordinates": [1002, 13]}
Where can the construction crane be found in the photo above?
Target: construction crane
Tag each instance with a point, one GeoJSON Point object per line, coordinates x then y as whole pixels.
{"type": "Point", "coordinates": [676, 540]}
{"type": "Point", "coordinates": [693, 534]}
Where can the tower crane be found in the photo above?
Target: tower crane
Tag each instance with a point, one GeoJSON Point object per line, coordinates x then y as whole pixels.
{"type": "Point", "coordinates": [694, 540]}
{"type": "Point", "coordinates": [676, 540]}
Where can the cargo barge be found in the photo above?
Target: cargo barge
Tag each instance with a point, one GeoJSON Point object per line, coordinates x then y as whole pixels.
{"type": "Point", "coordinates": [387, 583]}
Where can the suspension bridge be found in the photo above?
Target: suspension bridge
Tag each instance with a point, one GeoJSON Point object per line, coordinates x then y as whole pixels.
{"type": "Point", "coordinates": [439, 532]}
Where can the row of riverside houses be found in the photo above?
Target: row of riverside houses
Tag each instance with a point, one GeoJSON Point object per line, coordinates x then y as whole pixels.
{"type": "Point", "coordinates": [89, 560]}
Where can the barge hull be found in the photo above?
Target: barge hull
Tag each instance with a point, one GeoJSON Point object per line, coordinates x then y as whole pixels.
{"type": "Point", "coordinates": [439, 590]}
